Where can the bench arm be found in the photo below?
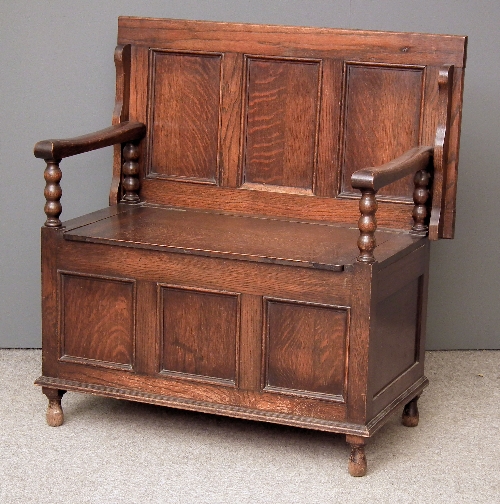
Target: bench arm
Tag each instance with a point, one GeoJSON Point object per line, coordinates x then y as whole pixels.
{"type": "Point", "coordinates": [52, 151]}
{"type": "Point", "coordinates": [370, 180]}
{"type": "Point", "coordinates": [120, 133]}
{"type": "Point", "coordinates": [375, 178]}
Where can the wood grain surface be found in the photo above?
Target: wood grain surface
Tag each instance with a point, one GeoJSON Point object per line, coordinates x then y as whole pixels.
{"type": "Point", "coordinates": [97, 320]}
{"type": "Point", "coordinates": [381, 120]}
{"type": "Point", "coordinates": [184, 126]}
{"type": "Point", "coordinates": [199, 333]}
{"type": "Point", "coordinates": [306, 348]}
{"type": "Point", "coordinates": [225, 277]}
{"type": "Point", "coordinates": [281, 122]}
{"type": "Point", "coordinates": [296, 243]}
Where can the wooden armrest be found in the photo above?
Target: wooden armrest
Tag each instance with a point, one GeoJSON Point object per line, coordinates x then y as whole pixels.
{"type": "Point", "coordinates": [59, 149]}
{"type": "Point", "coordinates": [52, 151]}
{"type": "Point", "coordinates": [370, 180]}
{"type": "Point", "coordinates": [377, 177]}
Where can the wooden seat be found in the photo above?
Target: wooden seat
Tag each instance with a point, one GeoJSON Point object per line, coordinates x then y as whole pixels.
{"type": "Point", "coordinates": [248, 238]}
{"type": "Point", "coordinates": [265, 254]}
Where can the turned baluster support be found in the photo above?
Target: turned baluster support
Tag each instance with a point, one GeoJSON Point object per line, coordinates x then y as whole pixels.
{"type": "Point", "coordinates": [130, 171]}
{"type": "Point", "coordinates": [52, 151]}
{"type": "Point", "coordinates": [357, 461]}
{"type": "Point", "coordinates": [54, 415]}
{"type": "Point", "coordinates": [367, 225]}
{"type": "Point", "coordinates": [52, 193]}
{"type": "Point", "coordinates": [420, 198]}
{"type": "Point", "coordinates": [410, 413]}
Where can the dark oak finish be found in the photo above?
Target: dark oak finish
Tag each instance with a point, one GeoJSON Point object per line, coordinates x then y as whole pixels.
{"type": "Point", "coordinates": [199, 333]}
{"type": "Point", "coordinates": [52, 193]}
{"type": "Point", "coordinates": [409, 163]}
{"type": "Point", "coordinates": [282, 107]}
{"type": "Point", "coordinates": [357, 460]}
{"type": "Point", "coordinates": [183, 137]}
{"type": "Point", "coordinates": [410, 414]}
{"type": "Point", "coordinates": [233, 236]}
{"type": "Point", "coordinates": [305, 350]}
{"type": "Point", "coordinates": [93, 306]}
{"type": "Point", "coordinates": [421, 196]}
{"type": "Point", "coordinates": [383, 106]}
{"type": "Point", "coordinates": [54, 415]}
{"type": "Point", "coordinates": [52, 151]}
{"type": "Point", "coordinates": [234, 271]}
{"type": "Point", "coordinates": [59, 149]}
{"type": "Point", "coordinates": [130, 171]}
{"type": "Point", "coordinates": [370, 180]}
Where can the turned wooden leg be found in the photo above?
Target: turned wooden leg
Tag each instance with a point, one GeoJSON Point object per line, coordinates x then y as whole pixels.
{"type": "Point", "coordinates": [357, 461]}
{"type": "Point", "coordinates": [55, 415]}
{"type": "Point", "coordinates": [410, 413]}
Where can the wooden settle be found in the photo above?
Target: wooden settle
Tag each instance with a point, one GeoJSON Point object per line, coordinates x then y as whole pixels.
{"type": "Point", "coordinates": [265, 254]}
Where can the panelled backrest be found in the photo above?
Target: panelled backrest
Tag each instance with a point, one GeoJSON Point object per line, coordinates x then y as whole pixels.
{"type": "Point", "coordinates": [274, 120]}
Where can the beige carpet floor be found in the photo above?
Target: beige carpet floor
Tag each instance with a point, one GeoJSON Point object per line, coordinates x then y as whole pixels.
{"type": "Point", "coordinates": [111, 451]}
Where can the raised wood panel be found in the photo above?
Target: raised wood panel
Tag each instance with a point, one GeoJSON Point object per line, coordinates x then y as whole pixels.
{"type": "Point", "coordinates": [199, 334]}
{"type": "Point", "coordinates": [389, 281]}
{"type": "Point", "coordinates": [396, 342]}
{"type": "Point", "coordinates": [184, 116]}
{"type": "Point", "coordinates": [381, 121]}
{"type": "Point", "coordinates": [306, 349]}
{"type": "Point", "coordinates": [281, 122]}
{"type": "Point", "coordinates": [97, 321]}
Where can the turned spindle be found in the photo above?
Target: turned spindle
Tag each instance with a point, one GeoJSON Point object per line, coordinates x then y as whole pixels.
{"type": "Point", "coordinates": [52, 193]}
{"type": "Point", "coordinates": [357, 461]}
{"type": "Point", "coordinates": [420, 198]}
{"type": "Point", "coordinates": [130, 171]}
{"type": "Point", "coordinates": [367, 225]}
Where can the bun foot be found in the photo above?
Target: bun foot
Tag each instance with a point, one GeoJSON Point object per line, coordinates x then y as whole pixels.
{"type": "Point", "coordinates": [54, 415]}
{"type": "Point", "coordinates": [410, 414]}
{"type": "Point", "coordinates": [357, 461]}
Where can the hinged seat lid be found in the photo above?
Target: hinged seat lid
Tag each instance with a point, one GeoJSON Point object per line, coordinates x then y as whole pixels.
{"type": "Point", "coordinates": [260, 239]}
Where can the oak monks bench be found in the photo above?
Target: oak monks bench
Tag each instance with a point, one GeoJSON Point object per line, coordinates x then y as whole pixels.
{"type": "Point", "coordinates": [265, 252]}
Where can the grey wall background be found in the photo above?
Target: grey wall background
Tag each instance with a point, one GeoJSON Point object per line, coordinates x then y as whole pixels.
{"type": "Point", "coordinates": [57, 79]}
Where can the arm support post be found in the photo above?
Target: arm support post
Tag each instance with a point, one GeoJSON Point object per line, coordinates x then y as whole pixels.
{"type": "Point", "coordinates": [367, 225]}
{"type": "Point", "coordinates": [52, 151]}
{"type": "Point", "coordinates": [370, 180]}
{"type": "Point", "coordinates": [130, 171]}
{"type": "Point", "coordinates": [52, 193]}
{"type": "Point", "coordinates": [420, 198]}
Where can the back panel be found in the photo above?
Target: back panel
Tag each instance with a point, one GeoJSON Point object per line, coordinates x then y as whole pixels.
{"type": "Point", "coordinates": [184, 116]}
{"type": "Point", "coordinates": [236, 112]}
